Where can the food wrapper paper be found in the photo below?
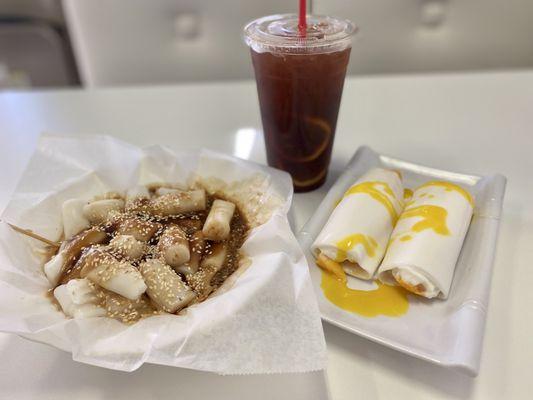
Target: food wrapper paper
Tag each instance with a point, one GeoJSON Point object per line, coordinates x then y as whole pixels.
{"type": "Point", "coordinates": [264, 319]}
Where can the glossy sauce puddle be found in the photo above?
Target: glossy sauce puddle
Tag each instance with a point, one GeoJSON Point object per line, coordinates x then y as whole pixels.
{"type": "Point", "coordinates": [390, 301]}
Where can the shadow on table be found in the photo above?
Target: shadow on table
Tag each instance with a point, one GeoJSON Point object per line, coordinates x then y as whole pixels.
{"type": "Point", "coordinates": [36, 369]}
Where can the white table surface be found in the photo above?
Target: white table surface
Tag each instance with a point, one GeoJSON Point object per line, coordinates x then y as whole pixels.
{"type": "Point", "coordinates": [478, 123]}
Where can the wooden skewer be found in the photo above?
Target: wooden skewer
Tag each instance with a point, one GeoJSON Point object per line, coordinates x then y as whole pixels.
{"type": "Point", "coordinates": [29, 233]}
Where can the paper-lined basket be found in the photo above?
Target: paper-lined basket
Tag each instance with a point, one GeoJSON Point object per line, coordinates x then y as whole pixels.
{"type": "Point", "coordinates": [264, 318]}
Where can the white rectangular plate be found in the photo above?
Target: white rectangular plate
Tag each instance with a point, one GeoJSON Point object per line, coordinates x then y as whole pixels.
{"type": "Point", "coordinates": [445, 332]}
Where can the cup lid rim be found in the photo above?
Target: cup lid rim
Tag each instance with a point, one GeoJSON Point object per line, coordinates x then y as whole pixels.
{"type": "Point", "coordinates": [279, 32]}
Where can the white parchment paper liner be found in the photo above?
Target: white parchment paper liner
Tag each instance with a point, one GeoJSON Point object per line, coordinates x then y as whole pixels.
{"type": "Point", "coordinates": [264, 320]}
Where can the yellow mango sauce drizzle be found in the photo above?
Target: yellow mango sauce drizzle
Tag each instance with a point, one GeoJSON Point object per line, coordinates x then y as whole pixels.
{"type": "Point", "coordinates": [349, 242]}
{"type": "Point", "coordinates": [448, 186]}
{"type": "Point", "coordinates": [390, 301]}
{"type": "Point", "coordinates": [433, 217]}
{"type": "Point", "coordinates": [371, 188]}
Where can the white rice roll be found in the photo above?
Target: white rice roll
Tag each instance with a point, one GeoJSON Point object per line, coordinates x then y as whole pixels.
{"type": "Point", "coordinates": [116, 276]}
{"type": "Point", "coordinates": [210, 265]}
{"type": "Point", "coordinates": [127, 310]}
{"type": "Point", "coordinates": [358, 230]}
{"type": "Point", "coordinates": [179, 203]}
{"type": "Point", "coordinates": [197, 246]}
{"type": "Point", "coordinates": [174, 246]}
{"type": "Point", "coordinates": [137, 192]}
{"type": "Point", "coordinates": [137, 198]}
{"type": "Point", "coordinates": [165, 190]}
{"type": "Point", "coordinates": [54, 267]}
{"type": "Point", "coordinates": [217, 223]}
{"type": "Point", "coordinates": [74, 220]}
{"type": "Point", "coordinates": [127, 246]}
{"type": "Point", "coordinates": [100, 210]}
{"type": "Point", "coordinates": [78, 299]}
{"type": "Point", "coordinates": [69, 251]}
{"type": "Point", "coordinates": [165, 287]}
{"type": "Point", "coordinates": [427, 240]}
{"type": "Point", "coordinates": [140, 229]}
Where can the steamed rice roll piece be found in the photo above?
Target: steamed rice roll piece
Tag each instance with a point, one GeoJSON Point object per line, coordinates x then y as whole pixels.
{"type": "Point", "coordinates": [54, 268]}
{"type": "Point", "coordinates": [217, 224]}
{"type": "Point", "coordinates": [210, 265]}
{"type": "Point", "coordinates": [69, 251]}
{"type": "Point", "coordinates": [173, 203]}
{"type": "Point", "coordinates": [137, 192]}
{"type": "Point", "coordinates": [197, 246]}
{"type": "Point", "coordinates": [78, 299]}
{"type": "Point", "coordinates": [124, 309]}
{"type": "Point", "coordinates": [174, 246]}
{"type": "Point", "coordinates": [427, 240]}
{"type": "Point", "coordinates": [137, 198]}
{"type": "Point", "coordinates": [165, 190]}
{"type": "Point", "coordinates": [358, 230]}
{"type": "Point", "coordinates": [136, 195]}
{"type": "Point", "coordinates": [180, 202]}
{"type": "Point", "coordinates": [140, 229]}
{"type": "Point", "coordinates": [165, 287]}
{"type": "Point", "coordinates": [120, 277]}
{"type": "Point", "coordinates": [100, 210]}
{"type": "Point", "coordinates": [74, 220]}
{"type": "Point", "coordinates": [128, 247]}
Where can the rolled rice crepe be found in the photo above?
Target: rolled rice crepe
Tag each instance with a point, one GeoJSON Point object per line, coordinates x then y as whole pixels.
{"type": "Point", "coordinates": [137, 192]}
{"type": "Point", "coordinates": [165, 287]}
{"type": "Point", "coordinates": [197, 246]}
{"type": "Point", "coordinates": [138, 228]}
{"type": "Point", "coordinates": [358, 230]}
{"type": "Point", "coordinates": [102, 268]}
{"type": "Point", "coordinates": [179, 202]}
{"type": "Point", "coordinates": [210, 265]}
{"type": "Point", "coordinates": [427, 240]}
{"type": "Point", "coordinates": [78, 299]}
{"type": "Point", "coordinates": [165, 190]}
{"type": "Point", "coordinates": [217, 225]}
{"type": "Point", "coordinates": [174, 246]}
{"type": "Point", "coordinates": [127, 246]}
{"type": "Point", "coordinates": [74, 221]}
{"type": "Point", "coordinates": [137, 197]}
{"type": "Point", "coordinates": [70, 250]}
{"type": "Point", "coordinates": [119, 277]}
{"type": "Point", "coordinates": [99, 210]}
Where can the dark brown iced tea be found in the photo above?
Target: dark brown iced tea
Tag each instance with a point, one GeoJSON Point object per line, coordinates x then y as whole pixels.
{"type": "Point", "coordinates": [299, 96]}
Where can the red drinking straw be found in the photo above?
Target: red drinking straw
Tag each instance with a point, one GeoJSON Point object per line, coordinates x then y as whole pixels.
{"type": "Point", "coordinates": [302, 24]}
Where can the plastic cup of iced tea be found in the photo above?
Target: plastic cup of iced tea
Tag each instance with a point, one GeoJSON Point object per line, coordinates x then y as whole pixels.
{"type": "Point", "coordinates": [300, 76]}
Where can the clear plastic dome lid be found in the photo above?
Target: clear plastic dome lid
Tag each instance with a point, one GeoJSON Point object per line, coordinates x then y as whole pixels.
{"type": "Point", "coordinates": [280, 33]}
